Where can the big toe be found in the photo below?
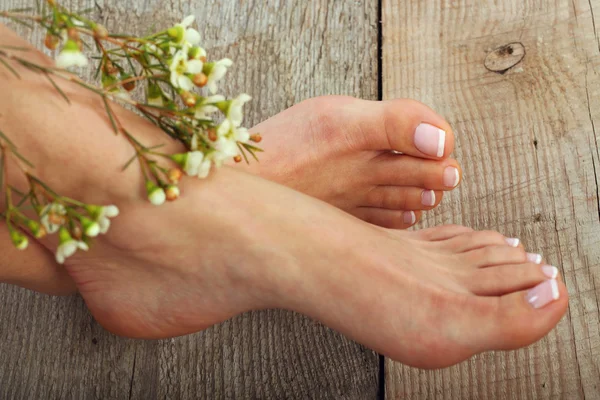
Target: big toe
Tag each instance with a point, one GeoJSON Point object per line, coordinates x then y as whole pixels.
{"type": "Point", "coordinates": [521, 318]}
{"type": "Point", "coordinates": [402, 125]}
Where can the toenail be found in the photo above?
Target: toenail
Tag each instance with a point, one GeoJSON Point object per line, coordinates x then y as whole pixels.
{"type": "Point", "coordinates": [550, 271]}
{"type": "Point", "coordinates": [428, 198]}
{"type": "Point", "coordinates": [430, 140]}
{"type": "Point", "coordinates": [534, 258]}
{"type": "Point", "coordinates": [409, 217]}
{"type": "Point", "coordinates": [451, 177]}
{"type": "Point", "coordinates": [544, 293]}
{"type": "Point", "coordinates": [512, 242]}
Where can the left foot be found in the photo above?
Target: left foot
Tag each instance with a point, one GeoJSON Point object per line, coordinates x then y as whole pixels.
{"type": "Point", "coordinates": [339, 149]}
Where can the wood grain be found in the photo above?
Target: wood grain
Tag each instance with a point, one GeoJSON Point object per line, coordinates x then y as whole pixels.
{"type": "Point", "coordinates": [50, 348]}
{"type": "Point", "coordinates": [527, 139]}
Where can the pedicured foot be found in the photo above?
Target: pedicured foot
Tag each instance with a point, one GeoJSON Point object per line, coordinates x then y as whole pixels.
{"type": "Point", "coordinates": [382, 161]}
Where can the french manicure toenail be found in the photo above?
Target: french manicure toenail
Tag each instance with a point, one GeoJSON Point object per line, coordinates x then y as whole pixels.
{"type": "Point", "coordinates": [428, 198]}
{"type": "Point", "coordinates": [430, 140]}
{"type": "Point", "coordinates": [550, 271]}
{"type": "Point", "coordinates": [451, 177]}
{"type": "Point", "coordinates": [544, 293]}
{"type": "Point", "coordinates": [534, 258]}
{"type": "Point", "coordinates": [410, 217]}
{"type": "Point", "coordinates": [512, 242]}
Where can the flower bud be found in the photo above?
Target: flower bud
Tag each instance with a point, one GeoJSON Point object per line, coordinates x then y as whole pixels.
{"type": "Point", "coordinates": [73, 34]}
{"type": "Point", "coordinates": [56, 219]}
{"type": "Point", "coordinates": [110, 68]}
{"type": "Point", "coordinates": [174, 175]}
{"type": "Point", "coordinates": [176, 33]}
{"type": "Point", "coordinates": [172, 192]}
{"type": "Point", "coordinates": [77, 232]}
{"type": "Point", "coordinates": [129, 86]}
{"type": "Point", "coordinates": [188, 98]}
{"type": "Point", "coordinates": [36, 229]}
{"type": "Point", "coordinates": [90, 228]}
{"type": "Point", "coordinates": [19, 240]}
{"type": "Point", "coordinates": [200, 79]}
{"type": "Point", "coordinates": [256, 138]}
{"type": "Point", "coordinates": [212, 134]}
{"type": "Point", "coordinates": [51, 41]}
{"type": "Point", "coordinates": [100, 32]}
{"type": "Point", "coordinates": [237, 158]}
{"type": "Point", "coordinates": [156, 195]}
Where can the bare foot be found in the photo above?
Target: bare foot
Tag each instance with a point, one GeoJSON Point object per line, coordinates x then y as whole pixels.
{"type": "Point", "coordinates": [236, 242]}
{"type": "Point", "coordinates": [338, 149]}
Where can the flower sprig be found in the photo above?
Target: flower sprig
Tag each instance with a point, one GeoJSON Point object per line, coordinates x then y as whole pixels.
{"type": "Point", "coordinates": [180, 96]}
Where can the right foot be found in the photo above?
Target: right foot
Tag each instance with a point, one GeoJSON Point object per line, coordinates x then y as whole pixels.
{"type": "Point", "coordinates": [339, 149]}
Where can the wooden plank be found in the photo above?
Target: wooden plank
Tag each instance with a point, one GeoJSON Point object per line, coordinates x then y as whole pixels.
{"type": "Point", "coordinates": [284, 52]}
{"type": "Point", "coordinates": [528, 143]}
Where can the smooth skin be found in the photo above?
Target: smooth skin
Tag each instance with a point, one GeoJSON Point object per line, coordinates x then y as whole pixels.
{"type": "Point", "coordinates": [236, 242]}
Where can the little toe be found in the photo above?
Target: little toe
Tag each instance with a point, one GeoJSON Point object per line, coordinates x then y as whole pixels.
{"type": "Point", "coordinates": [521, 318]}
{"type": "Point", "coordinates": [403, 125]}
{"type": "Point", "coordinates": [403, 170]}
{"type": "Point", "coordinates": [503, 279]}
{"type": "Point", "coordinates": [393, 219]}
{"type": "Point", "coordinates": [403, 198]}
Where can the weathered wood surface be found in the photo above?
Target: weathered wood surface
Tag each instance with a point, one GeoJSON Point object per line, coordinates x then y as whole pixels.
{"type": "Point", "coordinates": [528, 143]}
{"type": "Point", "coordinates": [50, 348]}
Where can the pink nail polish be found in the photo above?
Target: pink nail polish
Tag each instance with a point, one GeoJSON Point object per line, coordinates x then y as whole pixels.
{"type": "Point", "coordinates": [544, 293]}
{"type": "Point", "coordinates": [534, 258]}
{"type": "Point", "coordinates": [451, 177]}
{"type": "Point", "coordinates": [430, 140]}
{"type": "Point", "coordinates": [512, 242]}
{"type": "Point", "coordinates": [550, 271]}
{"type": "Point", "coordinates": [428, 198]}
{"type": "Point", "coordinates": [409, 217]}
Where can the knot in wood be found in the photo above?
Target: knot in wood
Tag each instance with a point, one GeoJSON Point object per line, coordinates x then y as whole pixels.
{"type": "Point", "coordinates": [504, 57]}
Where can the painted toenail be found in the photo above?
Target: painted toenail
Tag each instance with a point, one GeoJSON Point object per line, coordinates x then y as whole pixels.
{"type": "Point", "coordinates": [550, 271]}
{"type": "Point", "coordinates": [534, 258]}
{"type": "Point", "coordinates": [409, 217]}
{"type": "Point", "coordinates": [430, 140]}
{"type": "Point", "coordinates": [428, 198]}
{"type": "Point", "coordinates": [451, 177]}
{"type": "Point", "coordinates": [512, 242]}
{"type": "Point", "coordinates": [544, 293]}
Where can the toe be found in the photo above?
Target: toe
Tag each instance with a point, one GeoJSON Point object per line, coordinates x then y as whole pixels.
{"type": "Point", "coordinates": [520, 318]}
{"type": "Point", "coordinates": [403, 170]}
{"type": "Point", "coordinates": [393, 219]}
{"type": "Point", "coordinates": [404, 125]}
{"type": "Point", "coordinates": [403, 198]}
{"type": "Point", "coordinates": [503, 279]}
{"type": "Point", "coordinates": [475, 240]}
{"type": "Point", "coordinates": [490, 256]}
{"type": "Point", "coordinates": [443, 232]}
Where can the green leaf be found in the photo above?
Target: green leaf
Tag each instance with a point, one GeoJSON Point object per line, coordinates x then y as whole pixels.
{"type": "Point", "coordinates": [132, 159]}
{"type": "Point", "coordinates": [243, 153]}
{"type": "Point", "coordinates": [110, 116]}
{"type": "Point", "coordinates": [85, 11]}
{"type": "Point", "coordinates": [26, 161]}
{"type": "Point", "coordinates": [1, 170]}
{"type": "Point", "coordinates": [64, 96]}
{"type": "Point", "coordinates": [11, 69]}
{"type": "Point", "coordinates": [20, 10]}
{"type": "Point", "coordinates": [17, 48]}
{"type": "Point", "coordinates": [6, 139]}
{"type": "Point", "coordinates": [18, 21]}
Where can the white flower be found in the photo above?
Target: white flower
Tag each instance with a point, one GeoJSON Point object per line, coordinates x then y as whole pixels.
{"type": "Point", "coordinates": [68, 246]}
{"type": "Point", "coordinates": [90, 228]}
{"type": "Point", "coordinates": [206, 106]}
{"type": "Point", "coordinates": [19, 240]}
{"type": "Point", "coordinates": [216, 73]}
{"type": "Point", "coordinates": [204, 169]}
{"type": "Point", "coordinates": [241, 135]}
{"type": "Point", "coordinates": [71, 56]}
{"type": "Point", "coordinates": [237, 134]}
{"type": "Point", "coordinates": [183, 34]}
{"type": "Point", "coordinates": [156, 194]}
{"type": "Point", "coordinates": [58, 210]}
{"type": "Point", "coordinates": [101, 214]}
{"type": "Point", "coordinates": [192, 163]}
{"type": "Point", "coordinates": [180, 66]}
{"type": "Point", "coordinates": [234, 111]}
